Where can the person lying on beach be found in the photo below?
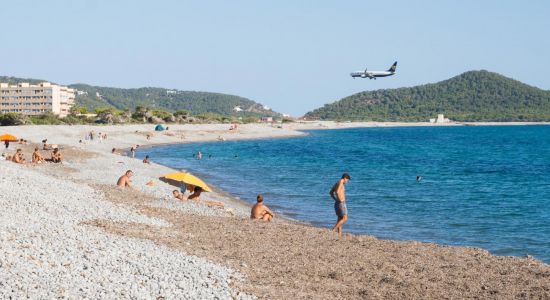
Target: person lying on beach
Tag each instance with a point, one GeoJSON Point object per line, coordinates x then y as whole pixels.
{"type": "Point", "coordinates": [124, 180]}
{"type": "Point", "coordinates": [114, 151]}
{"type": "Point", "coordinates": [260, 211]}
{"type": "Point", "coordinates": [179, 195]}
{"type": "Point", "coordinates": [37, 157]}
{"type": "Point", "coordinates": [56, 156]}
{"type": "Point", "coordinates": [18, 157]}
{"type": "Point", "coordinates": [146, 160]}
{"type": "Point", "coordinates": [196, 196]}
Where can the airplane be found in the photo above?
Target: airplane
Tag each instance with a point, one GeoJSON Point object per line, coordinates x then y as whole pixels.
{"type": "Point", "coordinates": [374, 74]}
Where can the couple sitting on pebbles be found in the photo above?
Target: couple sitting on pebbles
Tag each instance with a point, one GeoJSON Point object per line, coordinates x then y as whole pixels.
{"type": "Point", "coordinates": [197, 190]}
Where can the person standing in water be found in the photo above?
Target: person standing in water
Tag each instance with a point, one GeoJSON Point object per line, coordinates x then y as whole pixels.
{"type": "Point", "coordinates": [338, 193]}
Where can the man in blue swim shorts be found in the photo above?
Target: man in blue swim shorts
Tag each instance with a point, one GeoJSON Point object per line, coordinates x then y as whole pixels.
{"type": "Point", "coordinates": [338, 193]}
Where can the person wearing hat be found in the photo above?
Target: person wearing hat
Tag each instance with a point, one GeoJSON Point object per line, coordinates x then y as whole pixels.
{"type": "Point", "coordinates": [338, 193]}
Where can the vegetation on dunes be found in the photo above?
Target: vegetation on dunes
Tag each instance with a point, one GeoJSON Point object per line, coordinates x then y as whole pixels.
{"type": "Point", "coordinates": [471, 96]}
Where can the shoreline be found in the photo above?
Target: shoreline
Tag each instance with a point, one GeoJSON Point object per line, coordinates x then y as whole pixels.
{"type": "Point", "coordinates": [226, 245]}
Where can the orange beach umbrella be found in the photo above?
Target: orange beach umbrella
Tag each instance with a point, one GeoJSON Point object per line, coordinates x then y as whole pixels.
{"type": "Point", "coordinates": [188, 178]}
{"type": "Point", "coordinates": [8, 137]}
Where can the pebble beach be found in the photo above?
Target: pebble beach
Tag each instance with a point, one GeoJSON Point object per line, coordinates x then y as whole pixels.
{"type": "Point", "coordinates": [67, 232]}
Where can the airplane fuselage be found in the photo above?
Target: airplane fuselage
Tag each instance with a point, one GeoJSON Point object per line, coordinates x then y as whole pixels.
{"type": "Point", "coordinates": [371, 74]}
{"type": "Point", "coordinates": [375, 74]}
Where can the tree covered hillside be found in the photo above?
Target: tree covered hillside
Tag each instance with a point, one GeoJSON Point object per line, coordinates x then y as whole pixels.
{"type": "Point", "coordinates": [173, 100]}
{"type": "Point", "coordinates": [95, 97]}
{"type": "Point", "coordinates": [471, 96]}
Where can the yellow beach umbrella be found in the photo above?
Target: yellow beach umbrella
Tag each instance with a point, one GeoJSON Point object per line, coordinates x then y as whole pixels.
{"type": "Point", "coordinates": [188, 178]}
{"type": "Point", "coordinates": [8, 137]}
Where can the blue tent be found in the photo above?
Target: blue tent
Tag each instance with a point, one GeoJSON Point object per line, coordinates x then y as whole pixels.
{"type": "Point", "coordinates": [159, 128]}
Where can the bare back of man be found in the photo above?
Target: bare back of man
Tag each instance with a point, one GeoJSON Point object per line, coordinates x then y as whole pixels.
{"type": "Point", "coordinates": [261, 211]}
{"type": "Point", "coordinates": [124, 180]}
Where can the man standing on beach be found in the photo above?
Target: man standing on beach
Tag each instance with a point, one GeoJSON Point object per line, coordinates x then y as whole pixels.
{"type": "Point", "coordinates": [338, 193]}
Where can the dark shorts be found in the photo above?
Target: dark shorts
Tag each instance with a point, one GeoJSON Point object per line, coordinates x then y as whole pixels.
{"type": "Point", "coordinates": [340, 208]}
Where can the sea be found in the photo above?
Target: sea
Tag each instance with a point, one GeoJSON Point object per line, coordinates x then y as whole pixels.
{"type": "Point", "coordinates": [480, 186]}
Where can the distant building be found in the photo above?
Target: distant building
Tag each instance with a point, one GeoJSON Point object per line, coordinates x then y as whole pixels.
{"type": "Point", "coordinates": [266, 119]}
{"type": "Point", "coordinates": [37, 99]}
{"type": "Point", "coordinates": [440, 119]}
{"type": "Point", "coordinates": [237, 109]}
{"type": "Point", "coordinates": [171, 92]}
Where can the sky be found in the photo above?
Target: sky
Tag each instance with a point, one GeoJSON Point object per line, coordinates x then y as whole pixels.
{"type": "Point", "coordinates": [293, 56]}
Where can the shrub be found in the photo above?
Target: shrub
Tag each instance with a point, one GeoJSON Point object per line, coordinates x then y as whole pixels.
{"type": "Point", "coordinates": [12, 119]}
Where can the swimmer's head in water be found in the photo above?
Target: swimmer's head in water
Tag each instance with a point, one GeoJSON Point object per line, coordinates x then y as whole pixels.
{"type": "Point", "coordinates": [260, 198]}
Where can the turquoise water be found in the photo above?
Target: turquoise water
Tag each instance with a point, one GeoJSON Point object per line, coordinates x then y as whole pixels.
{"type": "Point", "coordinates": [486, 187]}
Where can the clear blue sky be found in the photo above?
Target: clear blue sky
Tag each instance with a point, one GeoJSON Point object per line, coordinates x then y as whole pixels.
{"type": "Point", "coordinates": [293, 56]}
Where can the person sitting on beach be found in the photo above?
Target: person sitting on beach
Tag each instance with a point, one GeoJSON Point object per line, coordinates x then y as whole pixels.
{"type": "Point", "coordinates": [124, 180]}
{"type": "Point", "coordinates": [18, 157]}
{"type": "Point", "coordinates": [196, 196]}
{"type": "Point", "coordinates": [260, 211]}
{"type": "Point", "coordinates": [37, 157]}
{"type": "Point", "coordinates": [56, 156]}
{"type": "Point", "coordinates": [46, 146]}
{"type": "Point", "coordinates": [146, 160]}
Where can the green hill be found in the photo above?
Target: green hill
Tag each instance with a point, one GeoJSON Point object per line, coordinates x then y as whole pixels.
{"type": "Point", "coordinates": [471, 96]}
{"type": "Point", "coordinates": [93, 97]}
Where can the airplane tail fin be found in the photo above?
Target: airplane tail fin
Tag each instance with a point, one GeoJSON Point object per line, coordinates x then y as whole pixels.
{"type": "Point", "coordinates": [393, 67]}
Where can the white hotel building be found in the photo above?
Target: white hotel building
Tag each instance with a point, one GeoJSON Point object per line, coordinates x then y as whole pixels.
{"type": "Point", "coordinates": [37, 99]}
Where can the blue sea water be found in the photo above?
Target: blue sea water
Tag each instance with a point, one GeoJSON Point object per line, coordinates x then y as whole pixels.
{"type": "Point", "coordinates": [485, 187]}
